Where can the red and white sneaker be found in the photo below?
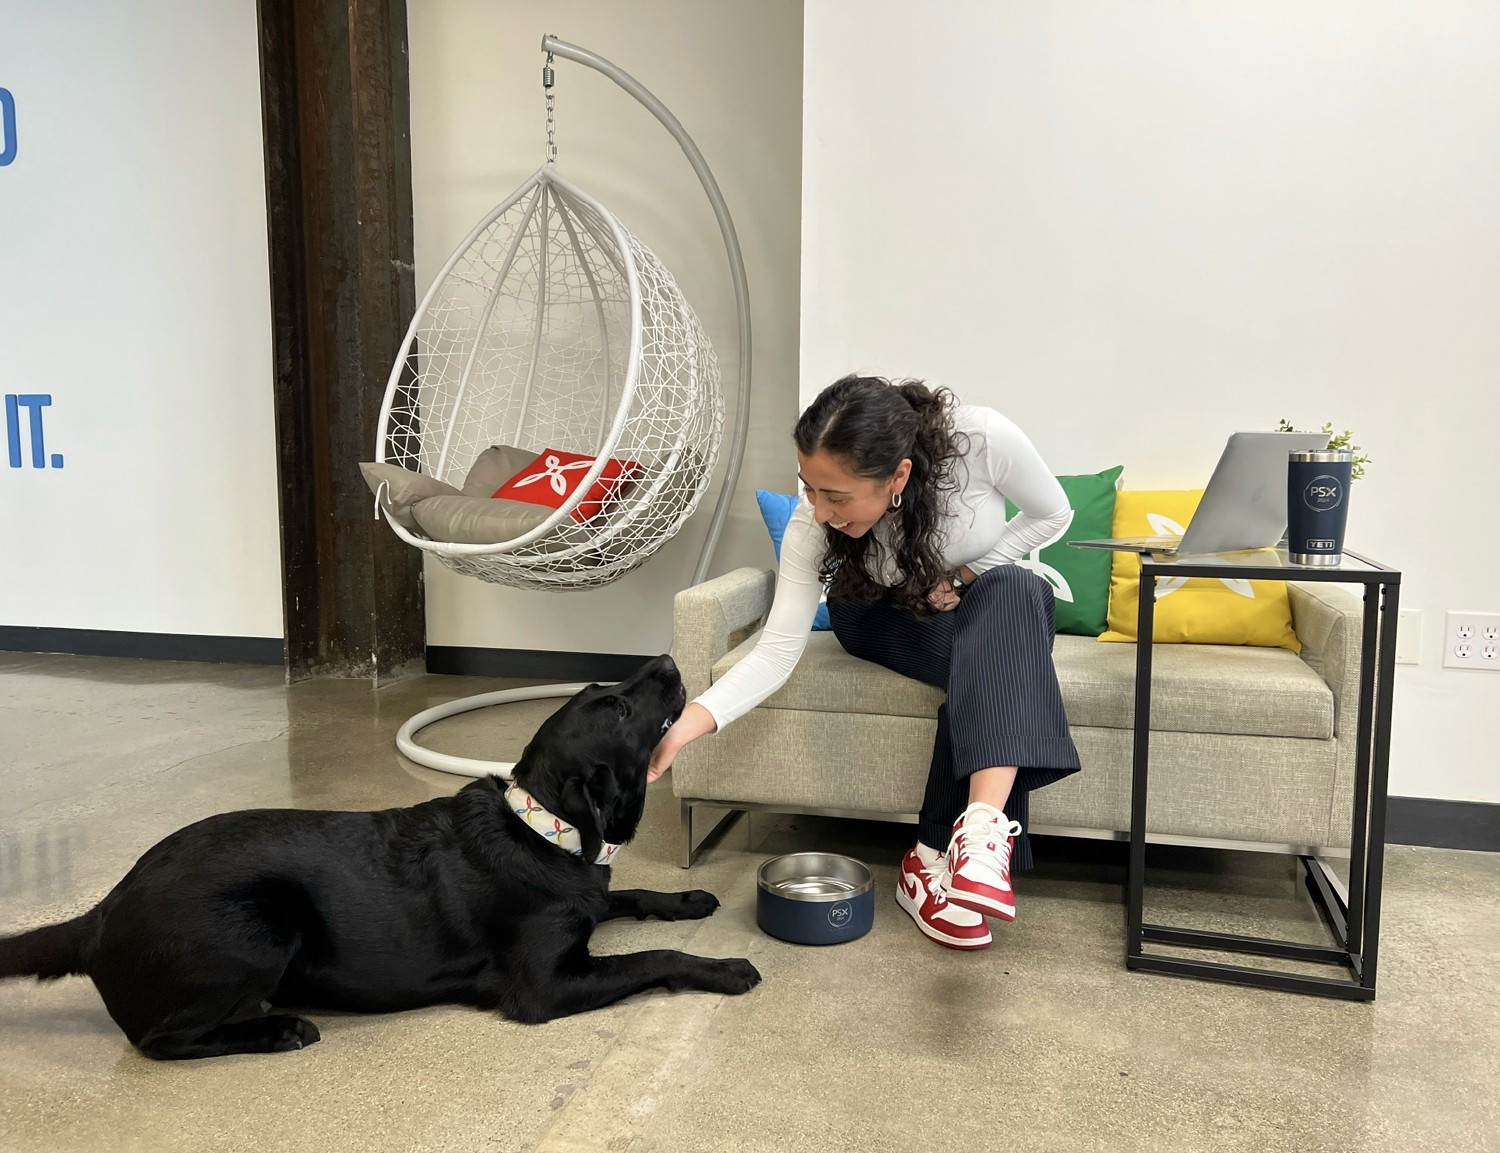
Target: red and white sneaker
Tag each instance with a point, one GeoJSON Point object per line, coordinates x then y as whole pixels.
{"type": "Point", "coordinates": [979, 862]}
{"type": "Point", "coordinates": [921, 891]}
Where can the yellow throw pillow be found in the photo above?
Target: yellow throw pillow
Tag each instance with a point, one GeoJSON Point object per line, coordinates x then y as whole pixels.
{"type": "Point", "coordinates": [1191, 610]}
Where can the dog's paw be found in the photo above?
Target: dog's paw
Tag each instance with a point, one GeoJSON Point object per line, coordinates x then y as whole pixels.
{"type": "Point", "coordinates": [735, 976]}
{"type": "Point", "coordinates": [695, 905]}
{"type": "Point", "coordinates": [286, 1033]}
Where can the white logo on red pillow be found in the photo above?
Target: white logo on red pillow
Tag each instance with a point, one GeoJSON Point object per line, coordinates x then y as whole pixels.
{"type": "Point", "coordinates": [550, 479]}
{"type": "Point", "coordinates": [552, 471]}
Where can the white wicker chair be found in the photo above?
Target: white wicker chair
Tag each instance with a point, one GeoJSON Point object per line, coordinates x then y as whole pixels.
{"type": "Point", "coordinates": [551, 326]}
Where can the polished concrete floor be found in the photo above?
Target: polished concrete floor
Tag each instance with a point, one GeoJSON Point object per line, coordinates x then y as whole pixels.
{"type": "Point", "coordinates": [1043, 1042]}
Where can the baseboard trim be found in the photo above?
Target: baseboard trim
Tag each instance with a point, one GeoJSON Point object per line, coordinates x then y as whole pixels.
{"type": "Point", "coordinates": [1442, 824]}
{"type": "Point", "coordinates": [144, 646]}
{"type": "Point", "coordinates": [531, 664]}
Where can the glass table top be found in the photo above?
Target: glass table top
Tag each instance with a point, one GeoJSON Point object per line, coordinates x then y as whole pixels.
{"type": "Point", "coordinates": [1255, 558]}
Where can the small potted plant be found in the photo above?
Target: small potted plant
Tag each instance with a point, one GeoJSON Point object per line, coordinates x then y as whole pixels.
{"type": "Point", "coordinates": [1340, 442]}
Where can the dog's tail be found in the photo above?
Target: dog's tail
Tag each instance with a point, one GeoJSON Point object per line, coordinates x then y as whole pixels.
{"type": "Point", "coordinates": [50, 952]}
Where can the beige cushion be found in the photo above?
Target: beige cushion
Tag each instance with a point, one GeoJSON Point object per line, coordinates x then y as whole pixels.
{"type": "Point", "coordinates": [829, 680]}
{"type": "Point", "coordinates": [493, 467]}
{"type": "Point", "coordinates": [1202, 784]}
{"type": "Point", "coordinates": [477, 520]}
{"type": "Point", "coordinates": [1227, 689]}
{"type": "Point", "coordinates": [473, 516]}
{"type": "Point", "coordinates": [403, 488]}
{"type": "Point", "coordinates": [1233, 689]}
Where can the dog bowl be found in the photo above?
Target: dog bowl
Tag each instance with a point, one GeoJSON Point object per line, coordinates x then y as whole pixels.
{"type": "Point", "coordinates": [815, 898]}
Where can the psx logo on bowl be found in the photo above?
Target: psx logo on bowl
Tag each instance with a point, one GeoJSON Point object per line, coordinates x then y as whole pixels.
{"type": "Point", "coordinates": [840, 915]}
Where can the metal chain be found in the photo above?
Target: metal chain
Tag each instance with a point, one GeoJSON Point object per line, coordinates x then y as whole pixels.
{"type": "Point", "coordinates": [547, 81]}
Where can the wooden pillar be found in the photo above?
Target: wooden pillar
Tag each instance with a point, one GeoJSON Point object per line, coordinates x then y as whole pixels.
{"type": "Point", "coordinates": [336, 100]}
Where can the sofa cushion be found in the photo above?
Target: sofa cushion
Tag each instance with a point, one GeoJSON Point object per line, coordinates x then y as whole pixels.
{"type": "Point", "coordinates": [553, 476]}
{"type": "Point", "coordinates": [1232, 689]}
{"type": "Point", "coordinates": [1195, 688]}
{"type": "Point", "coordinates": [829, 680]}
{"type": "Point", "coordinates": [776, 510]}
{"type": "Point", "coordinates": [493, 467]}
{"type": "Point", "coordinates": [476, 519]}
{"type": "Point", "coordinates": [1224, 610]}
{"type": "Point", "coordinates": [1079, 576]}
{"type": "Point", "coordinates": [400, 488]}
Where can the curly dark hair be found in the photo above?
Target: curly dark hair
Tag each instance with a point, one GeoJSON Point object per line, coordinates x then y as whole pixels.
{"type": "Point", "coordinates": [871, 425]}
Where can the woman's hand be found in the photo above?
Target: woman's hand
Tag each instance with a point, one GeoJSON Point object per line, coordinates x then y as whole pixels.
{"type": "Point", "coordinates": [695, 722]}
{"type": "Point", "coordinates": [944, 598]}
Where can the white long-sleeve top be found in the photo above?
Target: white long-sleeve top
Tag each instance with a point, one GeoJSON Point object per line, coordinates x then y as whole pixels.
{"type": "Point", "coordinates": [1000, 463]}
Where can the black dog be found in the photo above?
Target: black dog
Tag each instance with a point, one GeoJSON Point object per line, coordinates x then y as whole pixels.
{"type": "Point", "coordinates": [454, 900]}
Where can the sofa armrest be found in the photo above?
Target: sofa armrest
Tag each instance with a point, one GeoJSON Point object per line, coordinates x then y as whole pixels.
{"type": "Point", "coordinates": [708, 618]}
{"type": "Point", "coordinates": [1327, 620]}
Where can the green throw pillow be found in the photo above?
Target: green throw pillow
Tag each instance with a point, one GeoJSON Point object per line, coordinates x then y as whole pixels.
{"type": "Point", "coordinates": [1080, 577]}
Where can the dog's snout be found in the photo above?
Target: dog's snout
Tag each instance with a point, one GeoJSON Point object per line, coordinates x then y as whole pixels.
{"type": "Point", "coordinates": [662, 668]}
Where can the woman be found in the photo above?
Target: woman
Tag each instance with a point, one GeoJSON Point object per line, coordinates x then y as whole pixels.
{"type": "Point", "coordinates": [904, 521]}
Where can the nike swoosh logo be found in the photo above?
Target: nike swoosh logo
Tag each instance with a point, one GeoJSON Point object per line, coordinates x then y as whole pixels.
{"type": "Point", "coordinates": [913, 889]}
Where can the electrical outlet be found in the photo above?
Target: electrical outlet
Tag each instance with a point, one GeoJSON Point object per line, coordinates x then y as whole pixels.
{"type": "Point", "coordinates": [1409, 637]}
{"type": "Point", "coordinates": [1470, 641]}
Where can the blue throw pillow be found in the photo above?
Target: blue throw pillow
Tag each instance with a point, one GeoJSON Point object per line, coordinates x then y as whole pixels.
{"type": "Point", "coordinates": [776, 509]}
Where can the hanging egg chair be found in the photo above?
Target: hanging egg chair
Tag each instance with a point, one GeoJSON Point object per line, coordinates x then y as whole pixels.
{"type": "Point", "coordinates": [553, 333]}
{"type": "Point", "coordinates": [551, 327]}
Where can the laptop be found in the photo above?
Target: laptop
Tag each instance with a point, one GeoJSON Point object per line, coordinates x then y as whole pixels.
{"type": "Point", "coordinates": [1244, 504]}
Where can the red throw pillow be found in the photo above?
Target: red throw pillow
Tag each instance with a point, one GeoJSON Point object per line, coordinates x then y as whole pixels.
{"type": "Point", "coordinates": [551, 478]}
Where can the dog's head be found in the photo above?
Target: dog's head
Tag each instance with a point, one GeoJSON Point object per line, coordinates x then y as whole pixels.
{"type": "Point", "coordinates": [588, 761]}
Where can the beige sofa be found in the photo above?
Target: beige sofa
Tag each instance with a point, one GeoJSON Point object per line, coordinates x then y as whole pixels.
{"type": "Point", "coordinates": [1250, 747]}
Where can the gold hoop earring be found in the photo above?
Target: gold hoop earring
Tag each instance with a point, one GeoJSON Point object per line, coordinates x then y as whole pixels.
{"type": "Point", "coordinates": [896, 500]}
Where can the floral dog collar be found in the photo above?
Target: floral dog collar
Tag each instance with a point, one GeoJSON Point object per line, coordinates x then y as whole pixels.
{"type": "Point", "coordinates": [551, 828]}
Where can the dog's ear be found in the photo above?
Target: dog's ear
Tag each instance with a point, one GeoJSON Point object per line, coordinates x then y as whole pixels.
{"type": "Point", "coordinates": [592, 792]}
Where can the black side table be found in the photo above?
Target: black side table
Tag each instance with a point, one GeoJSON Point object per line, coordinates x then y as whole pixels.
{"type": "Point", "coordinates": [1355, 923]}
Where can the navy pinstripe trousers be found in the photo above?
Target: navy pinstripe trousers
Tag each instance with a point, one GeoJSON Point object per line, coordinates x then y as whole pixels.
{"type": "Point", "coordinates": [993, 656]}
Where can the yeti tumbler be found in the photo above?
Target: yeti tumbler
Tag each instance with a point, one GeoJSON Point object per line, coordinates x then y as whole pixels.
{"type": "Point", "coordinates": [1317, 506]}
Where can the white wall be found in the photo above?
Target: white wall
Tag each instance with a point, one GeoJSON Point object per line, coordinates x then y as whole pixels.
{"type": "Point", "coordinates": [732, 73]}
{"type": "Point", "coordinates": [134, 291]}
{"type": "Point", "coordinates": [1137, 227]}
